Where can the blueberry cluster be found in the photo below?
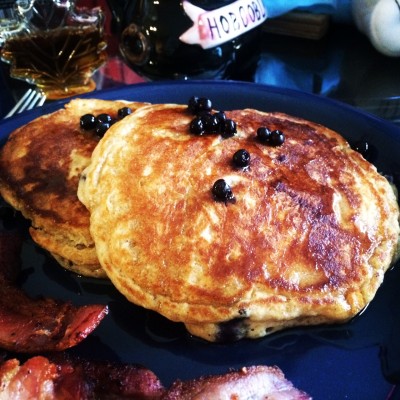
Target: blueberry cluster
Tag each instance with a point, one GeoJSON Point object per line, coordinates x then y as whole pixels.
{"type": "Point", "coordinates": [272, 138]}
{"type": "Point", "coordinates": [102, 122]}
{"type": "Point", "coordinates": [221, 191]}
{"type": "Point", "coordinates": [207, 122]}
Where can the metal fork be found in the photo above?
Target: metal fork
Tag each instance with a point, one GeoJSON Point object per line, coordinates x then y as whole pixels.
{"type": "Point", "coordinates": [32, 98]}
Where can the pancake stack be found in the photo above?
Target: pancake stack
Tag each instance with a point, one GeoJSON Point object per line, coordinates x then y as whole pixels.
{"type": "Point", "coordinates": [236, 224]}
{"type": "Point", "coordinates": [300, 232]}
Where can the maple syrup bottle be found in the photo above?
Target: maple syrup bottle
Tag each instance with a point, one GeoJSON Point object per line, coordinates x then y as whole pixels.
{"type": "Point", "coordinates": [54, 45]}
{"type": "Point", "coordinates": [196, 39]}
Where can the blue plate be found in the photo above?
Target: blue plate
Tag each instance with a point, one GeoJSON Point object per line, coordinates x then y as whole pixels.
{"type": "Point", "coordinates": [357, 360]}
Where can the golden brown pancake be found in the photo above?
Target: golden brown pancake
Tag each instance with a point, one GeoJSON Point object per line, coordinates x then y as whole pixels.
{"type": "Point", "coordinates": [306, 240]}
{"type": "Point", "coordinates": [39, 172]}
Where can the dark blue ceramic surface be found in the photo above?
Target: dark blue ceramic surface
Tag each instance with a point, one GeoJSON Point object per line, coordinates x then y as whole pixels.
{"type": "Point", "coordinates": [357, 360]}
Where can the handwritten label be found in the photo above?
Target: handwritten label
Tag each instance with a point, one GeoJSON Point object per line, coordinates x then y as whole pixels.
{"type": "Point", "coordinates": [212, 28]}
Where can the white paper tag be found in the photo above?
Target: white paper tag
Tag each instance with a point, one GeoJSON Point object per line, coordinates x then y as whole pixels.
{"type": "Point", "coordinates": [212, 28]}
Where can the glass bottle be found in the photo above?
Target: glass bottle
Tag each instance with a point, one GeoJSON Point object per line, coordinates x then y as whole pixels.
{"type": "Point", "coordinates": [163, 39]}
{"type": "Point", "coordinates": [54, 46]}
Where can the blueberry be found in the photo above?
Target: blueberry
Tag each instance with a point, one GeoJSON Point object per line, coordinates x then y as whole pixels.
{"type": "Point", "coordinates": [277, 138]}
{"type": "Point", "coordinates": [102, 128]}
{"type": "Point", "coordinates": [192, 104]}
{"type": "Point", "coordinates": [241, 158]}
{"type": "Point", "coordinates": [197, 126]}
{"type": "Point", "coordinates": [362, 146]}
{"type": "Point", "coordinates": [229, 128]}
{"type": "Point", "coordinates": [197, 104]}
{"type": "Point", "coordinates": [263, 134]}
{"type": "Point", "coordinates": [88, 122]}
{"type": "Point", "coordinates": [124, 111]}
{"type": "Point", "coordinates": [211, 123]}
{"type": "Point", "coordinates": [204, 104]}
{"type": "Point", "coordinates": [104, 118]}
{"type": "Point", "coordinates": [221, 116]}
{"type": "Point", "coordinates": [366, 149]}
{"type": "Point", "coordinates": [232, 330]}
{"type": "Point", "coordinates": [222, 191]}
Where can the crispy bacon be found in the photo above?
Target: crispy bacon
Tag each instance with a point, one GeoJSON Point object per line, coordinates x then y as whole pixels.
{"type": "Point", "coordinates": [66, 378]}
{"type": "Point", "coordinates": [103, 380]}
{"type": "Point", "coordinates": [71, 379]}
{"type": "Point", "coordinates": [32, 380]}
{"type": "Point", "coordinates": [33, 326]}
{"type": "Point", "coordinates": [256, 383]}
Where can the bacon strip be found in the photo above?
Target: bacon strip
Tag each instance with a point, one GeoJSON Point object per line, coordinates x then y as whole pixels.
{"type": "Point", "coordinates": [96, 379]}
{"type": "Point", "coordinates": [32, 380]}
{"type": "Point", "coordinates": [256, 383]}
{"type": "Point", "coordinates": [71, 379]}
{"type": "Point", "coordinates": [33, 326]}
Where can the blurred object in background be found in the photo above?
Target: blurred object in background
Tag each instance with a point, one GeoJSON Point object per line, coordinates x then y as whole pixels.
{"type": "Point", "coordinates": [116, 73]}
{"type": "Point", "coordinates": [55, 47]}
{"type": "Point", "coordinates": [343, 65]}
{"type": "Point", "coordinates": [299, 24]}
{"type": "Point", "coordinates": [339, 10]}
{"type": "Point", "coordinates": [197, 39]}
{"type": "Point", "coordinates": [380, 21]}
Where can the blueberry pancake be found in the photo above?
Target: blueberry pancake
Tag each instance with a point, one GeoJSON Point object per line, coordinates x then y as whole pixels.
{"type": "Point", "coordinates": [40, 166]}
{"type": "Point", "coordinates": [238, 234]}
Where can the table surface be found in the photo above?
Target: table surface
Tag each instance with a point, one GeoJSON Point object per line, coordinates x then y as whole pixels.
{"type": "Point", "coordinates": [343, 65]}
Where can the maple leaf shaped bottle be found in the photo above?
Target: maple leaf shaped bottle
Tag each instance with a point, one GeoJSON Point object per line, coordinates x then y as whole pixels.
{"type": "Point", "coordinates": [56, 47]}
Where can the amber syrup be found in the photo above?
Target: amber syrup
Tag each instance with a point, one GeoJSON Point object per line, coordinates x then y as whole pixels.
{"type": "Point", "coordinates": [60, 62]}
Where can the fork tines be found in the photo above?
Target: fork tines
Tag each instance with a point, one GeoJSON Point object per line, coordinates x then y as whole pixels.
{"type": "Point", "coordinates": [32, 98]}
